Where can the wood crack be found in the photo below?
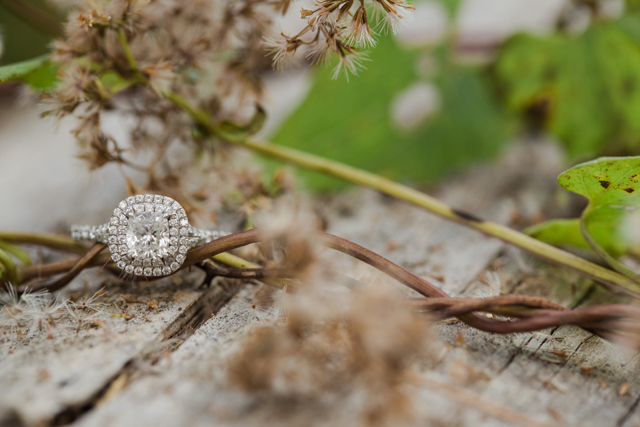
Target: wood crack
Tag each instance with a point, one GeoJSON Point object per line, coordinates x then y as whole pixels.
{"type": "Point", "coordinates": [192, 317]}
{"type": "Point", "coordinates": [628, 414]}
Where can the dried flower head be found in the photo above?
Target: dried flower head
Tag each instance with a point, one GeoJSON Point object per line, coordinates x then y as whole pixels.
{"type": "Point", "coordinates": [340, 27]}
{"type": "Point", "coordinates": [356, 348]}
{"type": "Point", "coordinates": [128, 55]}
{"type": "Point", "coordinates": [288, 230]}
{"type": "Point", "coordinates": [393, 14]}
{"type": "Point", "coordinates": [152, 59]}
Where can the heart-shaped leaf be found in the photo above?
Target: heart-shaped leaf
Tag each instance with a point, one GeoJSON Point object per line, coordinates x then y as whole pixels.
{"type": "Point", "coordinates": [612, 186]}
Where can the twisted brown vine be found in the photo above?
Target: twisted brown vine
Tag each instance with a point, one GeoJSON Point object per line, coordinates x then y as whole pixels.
{"type": "Point", "coordinates": [515, 313]}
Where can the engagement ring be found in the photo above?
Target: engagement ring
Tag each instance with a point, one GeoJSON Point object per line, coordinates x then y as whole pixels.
{"type": "Point", "coordinates": [148, 235]}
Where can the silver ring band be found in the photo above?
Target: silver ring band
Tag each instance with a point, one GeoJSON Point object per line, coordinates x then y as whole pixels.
{"type": "Point", "coordinates": [148, 235]}
{"type": "Point", "coordinates": [100, 234]}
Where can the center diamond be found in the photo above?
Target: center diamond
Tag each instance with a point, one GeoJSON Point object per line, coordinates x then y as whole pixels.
{"type": "Point", "coordinates": [147, 236]}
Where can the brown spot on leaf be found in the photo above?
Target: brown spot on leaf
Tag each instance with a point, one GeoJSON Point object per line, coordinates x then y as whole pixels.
{"type": "Point", "coordinates": [629, 190]}
{"type": "Point", "coordinates": [605, 184]}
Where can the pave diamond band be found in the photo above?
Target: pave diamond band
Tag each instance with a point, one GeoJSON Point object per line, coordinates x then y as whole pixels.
{"type": "Point", "coordinates": [100, 233]}
{"type": "Point", "coordinates": [148, 235]}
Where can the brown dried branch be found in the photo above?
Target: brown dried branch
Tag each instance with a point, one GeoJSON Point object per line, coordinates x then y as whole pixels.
{"type": "Point", "coordinates": [51, 269]}
{"type": "Point", "coordinates": [216, 269]}
{"type": "Point", "coordinates": [80, 264]}
{"type": "Point", "coordinates": [522, 313]}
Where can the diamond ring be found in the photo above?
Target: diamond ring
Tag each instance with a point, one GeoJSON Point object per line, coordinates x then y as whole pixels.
{"type": "Point", "coordinates": [148, 235]}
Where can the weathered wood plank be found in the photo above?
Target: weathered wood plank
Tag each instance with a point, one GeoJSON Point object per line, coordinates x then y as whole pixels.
{"type": "Point", "coordinates": [187, 389]}
{"type": "Point", "coordinates": [44, 380]}
{"type": "Point", "coordinates": [184, 389]}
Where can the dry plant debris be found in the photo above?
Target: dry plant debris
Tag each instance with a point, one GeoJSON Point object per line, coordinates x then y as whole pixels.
{"type": "Point", "coordinates": [41, 315]}
{"type": "Point", "coordinates": [360, 347]}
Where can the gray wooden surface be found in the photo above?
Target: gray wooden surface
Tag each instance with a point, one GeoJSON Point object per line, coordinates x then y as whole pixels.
{"type": "Point", "coordinates": [165, 367]}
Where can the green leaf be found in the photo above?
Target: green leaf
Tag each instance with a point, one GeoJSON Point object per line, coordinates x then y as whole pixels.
{"type": "Point", "coordinates": [43, 78]}
{"type": "Point", "coordinates": [39, 73]}
{"type": "Point", "coordinates": [20, 69]}
{"type": "Point", "coordinates": [350, 121]}
{"type": "Point", "coordinates": [611, 184]}
{"type": "Point", "coordinates": [585, 90]}
{"type": "Point", "coordinates": [565, 233]}
{"type": "Point", "coordinates": [113, 82]}
{"type": "Point", "coordinates": [8, 267]}
{"type": "Point", "coordinates": [17, 252]}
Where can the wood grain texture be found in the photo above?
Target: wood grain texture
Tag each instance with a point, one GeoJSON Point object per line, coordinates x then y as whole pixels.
{"type": "Point", "coordinates": [557, 377]}
{"type": "Point", "coordinates": [44, 381]}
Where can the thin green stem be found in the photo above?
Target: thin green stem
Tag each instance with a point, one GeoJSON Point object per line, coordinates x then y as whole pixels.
{"type": "Point", "coordinates": [402, 192]}
{"type": "Point", "coordinates": [127, 50]}
{"type": "Point", "coordinates": [360, 177]}
{"type": "Point", "coordinates": [48, 240]}
{"type": "Point", "coordinates": [17, 252]}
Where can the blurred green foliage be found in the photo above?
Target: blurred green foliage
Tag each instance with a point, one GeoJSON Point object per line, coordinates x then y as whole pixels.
{"type": "Point", "coordinates": [23, 36]}
{"type": "Point", "coordinates": [350, 121]}
{"type": "Point", "coordinates": [39, 72]}
{"type": "Point", "coordinates": [585, 89]}
{"type": "Point", "coordinates": [20, 69]}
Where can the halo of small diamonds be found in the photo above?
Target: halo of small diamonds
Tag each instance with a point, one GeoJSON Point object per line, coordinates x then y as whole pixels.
{"type": "Point", "coordinates": [144, 235]}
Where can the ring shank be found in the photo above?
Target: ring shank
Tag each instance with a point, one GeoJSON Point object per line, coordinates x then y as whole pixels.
{"type": "Point", "coordinates": [97, 233]}
{"type": "Point", "coordinates": [100, 234]}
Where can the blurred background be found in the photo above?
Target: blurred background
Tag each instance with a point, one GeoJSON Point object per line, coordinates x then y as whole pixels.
{"type": "Point", "coordinates": [461, 82]}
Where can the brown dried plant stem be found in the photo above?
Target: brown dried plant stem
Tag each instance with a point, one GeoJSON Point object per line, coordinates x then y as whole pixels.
{"type": "Point", "coordinates": [613, 322]}
{"type": "Point", "coordinates": [31, 275]}
{"type": "Point", "coordinates": [535, 313]}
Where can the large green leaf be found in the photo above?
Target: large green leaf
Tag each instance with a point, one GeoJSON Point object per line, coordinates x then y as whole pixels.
{"type": "Point", "coordinates": [21, 69]}
{"type": "Point", "coordinates": [611, 184]}
{"type": "Point", "coordinates": [350, 120]}
{"type": "Point", "coordinates": [586, 89]}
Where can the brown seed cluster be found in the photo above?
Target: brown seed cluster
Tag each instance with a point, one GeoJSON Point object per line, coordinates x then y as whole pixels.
{"type": "Point", "coordinates": [343, 28]}
{"type": "Point", "coordinates": [129, 56]}
{"type": "Point", "coordinates": [161, 64]}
